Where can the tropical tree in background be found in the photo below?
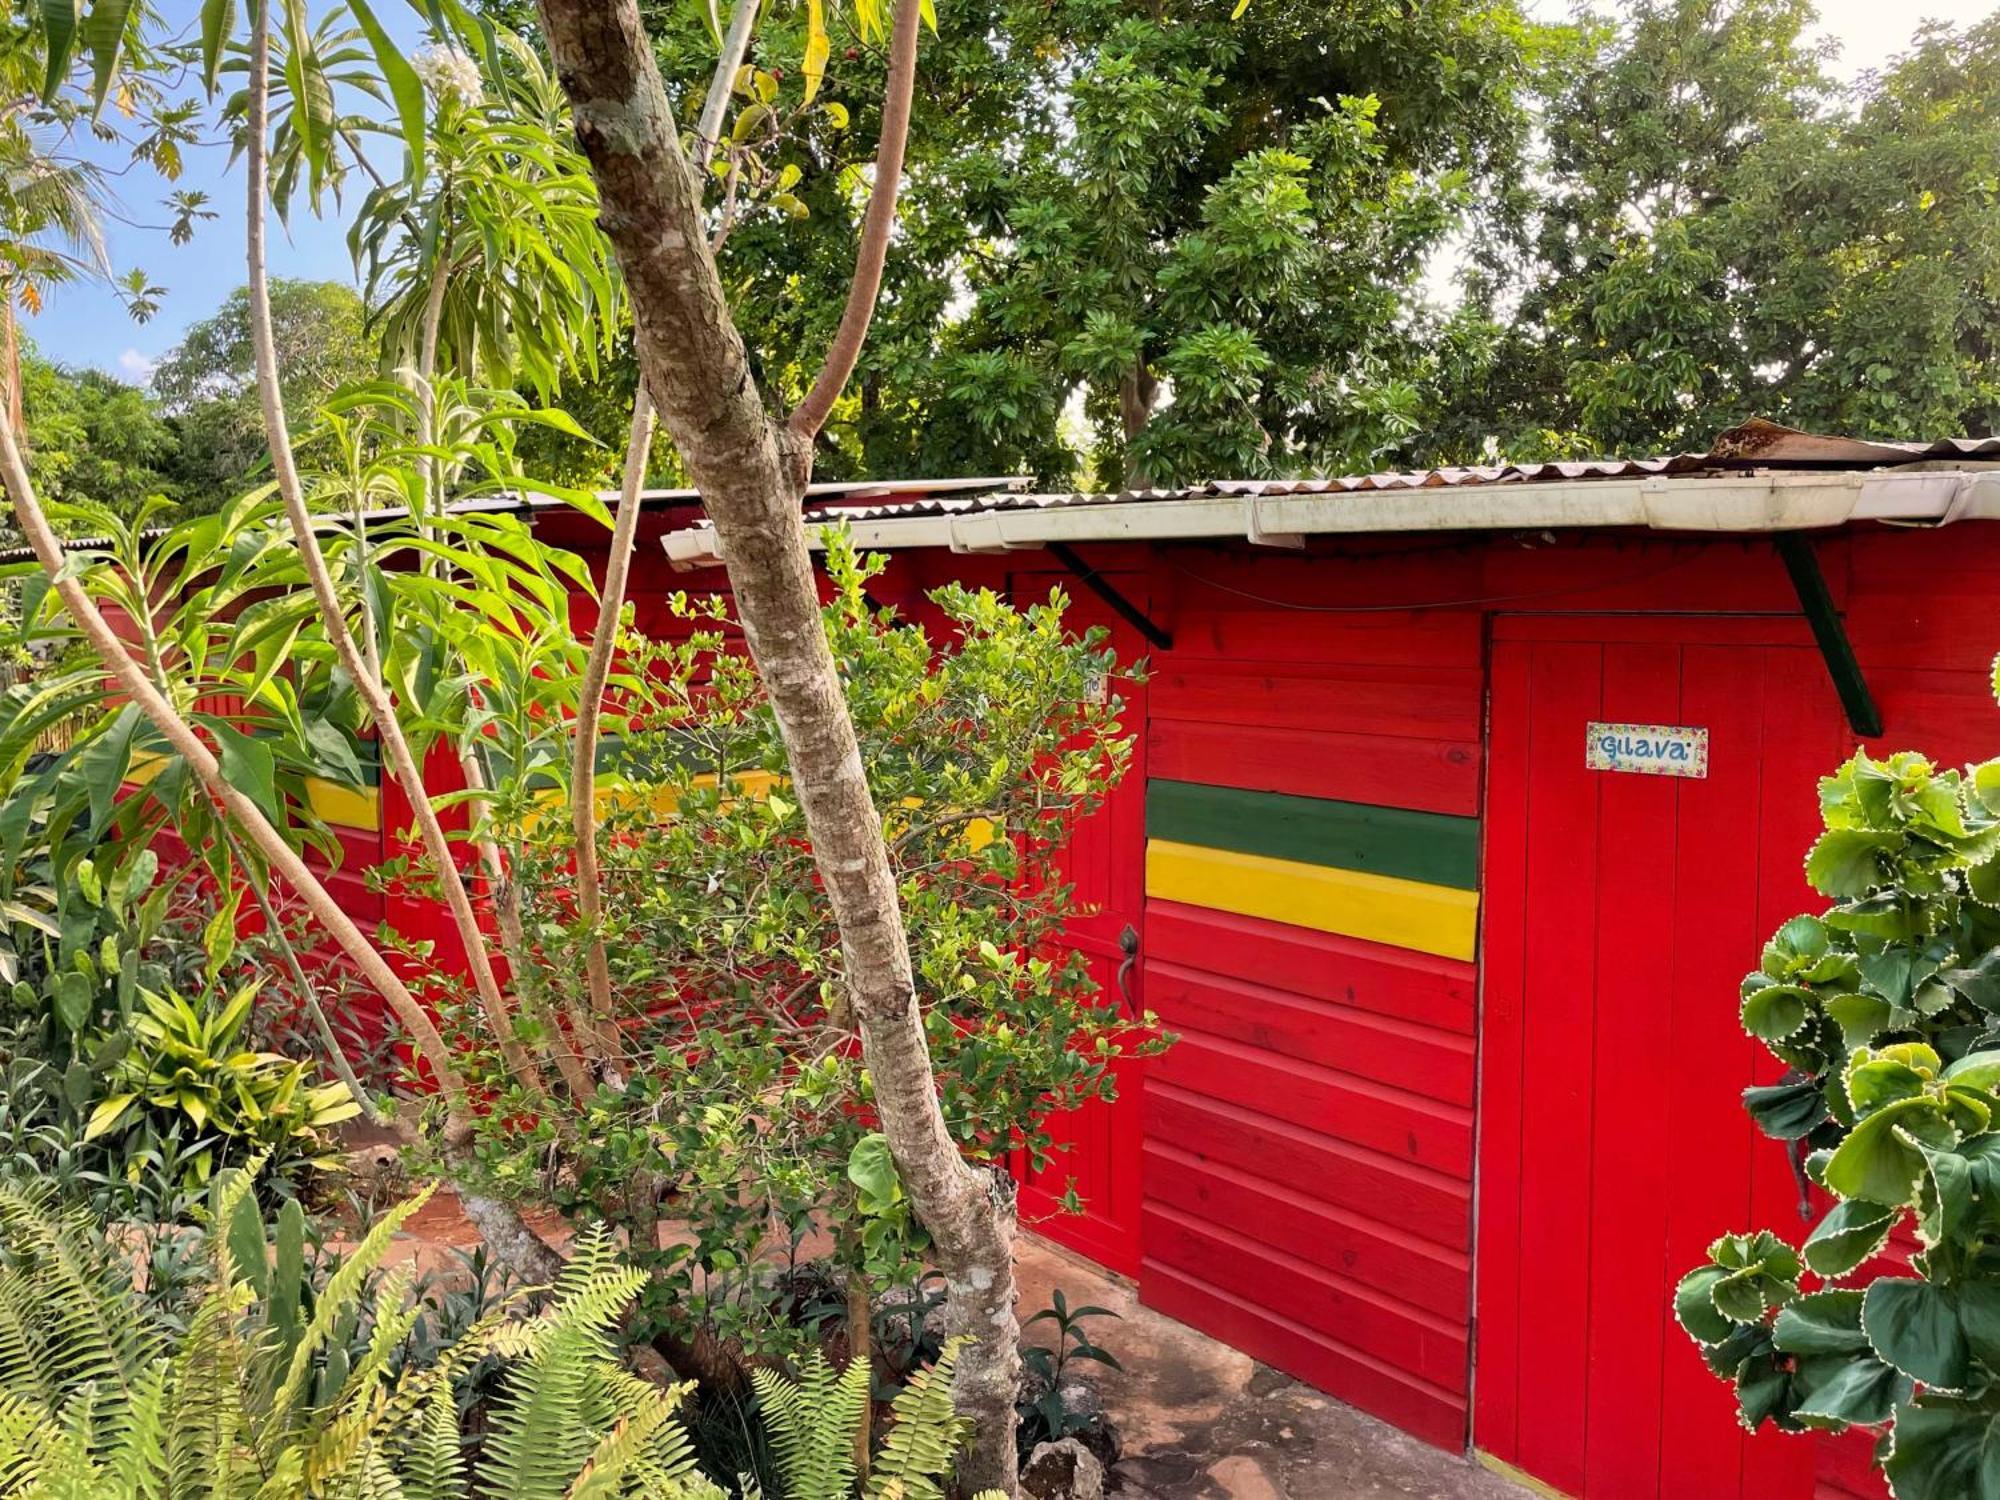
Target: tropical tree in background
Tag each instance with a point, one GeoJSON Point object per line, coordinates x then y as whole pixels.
{"type": "Point", "coordinates": [1725, 233]}
{"type": "Point", "coordinates": [92, 437]}
{"type": "Point", "coordinates": [207, 383]}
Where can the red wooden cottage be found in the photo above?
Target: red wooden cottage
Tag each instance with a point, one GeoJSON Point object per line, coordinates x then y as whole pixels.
{"type": "Point", "coordinates": [1446, 1119]}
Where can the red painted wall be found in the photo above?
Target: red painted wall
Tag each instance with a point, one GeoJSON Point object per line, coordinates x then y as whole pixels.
{"type": "Point", "coordinates": [1307, 1189]}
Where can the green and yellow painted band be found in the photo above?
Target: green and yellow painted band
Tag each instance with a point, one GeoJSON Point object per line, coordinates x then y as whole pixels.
{"type": "Point", "coordinates": [1434, 848]}
{"type": "Point", "coordinates": [1353, 903]}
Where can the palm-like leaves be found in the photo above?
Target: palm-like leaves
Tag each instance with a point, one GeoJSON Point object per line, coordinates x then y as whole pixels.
{"type": "Point", "coordinates": [502, 225]}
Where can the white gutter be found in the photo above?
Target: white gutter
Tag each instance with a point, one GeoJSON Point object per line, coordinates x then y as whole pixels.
{"type": "Point", "coordinates": [1725, 503]}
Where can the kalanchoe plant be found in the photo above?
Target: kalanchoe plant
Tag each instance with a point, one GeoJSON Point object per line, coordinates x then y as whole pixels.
{"type": "Point", "coordinates": [1886, 1009]}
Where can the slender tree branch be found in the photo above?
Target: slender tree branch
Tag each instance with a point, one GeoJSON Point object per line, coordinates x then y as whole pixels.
{"type": "Point", "coordinates": [877, 226]}
{"type": "Point", "coordinates": [368, 686]}
{"type": "Point", "coordinates": [611, 598]}
{"type": "Point", "coordinates": [430, 1046]}
{"type": "Point", "coordinates": [590, 713]}
{"type": "Point", "coordinates": [735, 44]}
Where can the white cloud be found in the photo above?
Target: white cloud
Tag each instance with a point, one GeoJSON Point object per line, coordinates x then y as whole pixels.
{"type": "Point", "coordinates": [136, 366]}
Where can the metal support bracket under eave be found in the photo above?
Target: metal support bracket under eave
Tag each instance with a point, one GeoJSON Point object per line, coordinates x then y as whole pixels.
{"type": "Point", "coordinates": [1125, 609]}
{"type": "Point", "coordinates": [1809, 583]}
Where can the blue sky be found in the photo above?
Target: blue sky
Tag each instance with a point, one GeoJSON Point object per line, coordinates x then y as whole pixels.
{"type": "Point", "coordinates": [85, 324]}
{"type": "Point", "coordinates": [88, 325]}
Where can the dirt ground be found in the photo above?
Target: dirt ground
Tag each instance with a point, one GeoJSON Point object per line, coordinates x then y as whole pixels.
{"type": "Point", "coordinates": [1199, 1421]}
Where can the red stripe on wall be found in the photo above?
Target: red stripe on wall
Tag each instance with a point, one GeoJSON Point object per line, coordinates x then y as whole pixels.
{"type": "Point", "coordinates": [1417, 988]}
{"type": "Point", "coordinates": [1430, 775]}
{"type": "Point", "coordinates": [1377, 1386]}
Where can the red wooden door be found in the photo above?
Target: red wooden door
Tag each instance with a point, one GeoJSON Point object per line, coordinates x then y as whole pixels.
{"type": "Point", "coordinates": [1621, 911]}
{"type": "Point", "coordinates": [1105, 861]}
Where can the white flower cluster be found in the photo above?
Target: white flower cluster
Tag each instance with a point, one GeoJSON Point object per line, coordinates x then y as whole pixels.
{"type": "Point", "coordinates": [449, 74]}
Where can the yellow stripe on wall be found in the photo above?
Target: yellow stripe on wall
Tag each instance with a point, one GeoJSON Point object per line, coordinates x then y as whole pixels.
{"type": "Point", "coordinates": [1379, 908]}
{"type": "Point", "coordinates": [352, 807]}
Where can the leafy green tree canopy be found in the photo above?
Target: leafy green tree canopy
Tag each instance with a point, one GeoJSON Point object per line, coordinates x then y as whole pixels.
{"type": "Point", "coordinates": [207, 382]}
{"type": "Point", "coordinates": [92, 437]}
{"type": "Point", "coordinates": [1726, 233]}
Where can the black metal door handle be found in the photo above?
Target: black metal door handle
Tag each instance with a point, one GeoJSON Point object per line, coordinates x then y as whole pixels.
{"type": "Point", "coordinates": [1128, 944]}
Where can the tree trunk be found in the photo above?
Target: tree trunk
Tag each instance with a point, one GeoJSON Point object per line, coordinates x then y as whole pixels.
{"type": "Point", "coordinates": [1138, 389]}
{"type": "Point", "coordinates": [752, 473]}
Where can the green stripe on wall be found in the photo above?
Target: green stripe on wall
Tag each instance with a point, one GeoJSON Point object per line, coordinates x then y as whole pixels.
{"type": "Point", "coordinates": [1432, 847]}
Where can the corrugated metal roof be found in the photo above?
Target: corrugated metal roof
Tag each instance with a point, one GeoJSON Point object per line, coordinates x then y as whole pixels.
{"type": "Point", "coordinates": [886, 490]}
{"type": "Point", "coordinates": [1757, 444]}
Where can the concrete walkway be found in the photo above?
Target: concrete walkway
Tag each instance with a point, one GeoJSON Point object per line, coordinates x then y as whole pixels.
{"type": "Point", "coordinates": [1199, 1421]}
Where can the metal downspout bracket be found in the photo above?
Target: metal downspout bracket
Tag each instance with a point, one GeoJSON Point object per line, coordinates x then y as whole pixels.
{"type": "Point", "coordinates": [1809, 583]}
{"type": "Point", "coordinates": [1098, 584]}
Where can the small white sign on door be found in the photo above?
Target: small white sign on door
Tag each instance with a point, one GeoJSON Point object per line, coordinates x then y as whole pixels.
{"type": "Point", "coordinates": [1647, 749]}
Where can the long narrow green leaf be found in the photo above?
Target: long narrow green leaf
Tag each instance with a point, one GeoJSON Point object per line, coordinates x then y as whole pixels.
{"type": "Point", "coordinates": [218, 24]}
{"type": "Point", "coordinates": [104, 35]}
{"type": "Point", "coordinates": [59, 32]}
{"type": "Point", "coordinates": [404, 86]}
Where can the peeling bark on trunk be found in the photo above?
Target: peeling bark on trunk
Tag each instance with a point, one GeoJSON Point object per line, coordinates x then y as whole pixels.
{"type": "Point", "coordinates": [751, 473]}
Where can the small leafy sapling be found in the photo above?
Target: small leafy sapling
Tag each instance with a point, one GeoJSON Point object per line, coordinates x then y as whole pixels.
{"type": "Point", "coordinates": [1046, 1412]}
{"type": "Point", "coordinates": [1886, 1010]}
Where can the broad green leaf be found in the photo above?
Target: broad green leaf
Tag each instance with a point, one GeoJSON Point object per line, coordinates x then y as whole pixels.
{"type": "Point", "coordinates": [1944, 1450]}
{"type": "Point", "coordinates": [1850, 1233]}
{"type": "Point", "coordinates": [1776, 1011]}
{"type": "Point", "coordinates": [107, 760]}
{"type": "Point", "coordinates": [73, 996]}
{"type": "Point", "coordinates": [1785, 1111]}
{"type": "Point", "coordinates": [1877, 1162]}
{"type": "Point", "coordinates": [1694, 1306]}
{"type": "Point", "coordinates": [404, 86]}
{"type": "Point", "coordinates": [107, 1114]}
{"type": "Point", "coordinates": [1821, 1323]}
{"type": "Point", "coordinates": [1914, 1325]}
{"type": "Point", "coordinates": [247, 765]}
{"type": "Point", "coordinates": [337, 760]}
{"type": "Point", "coordinates": [872, 1169]}
{"type": "Point", "coordinates": [1840, 1390]}
{"type": "Point", "coordinates": [1849, 861]}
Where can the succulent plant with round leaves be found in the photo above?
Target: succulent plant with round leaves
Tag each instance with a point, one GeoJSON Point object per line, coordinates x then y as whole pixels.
{"type": "Point", "coordinates": [1886, 1010]}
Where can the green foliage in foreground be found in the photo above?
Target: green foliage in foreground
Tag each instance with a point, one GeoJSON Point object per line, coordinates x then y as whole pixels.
{"type": "Point", "coordinates": [259, 1398]}
{"type": "Point", "coordinates": [280, 1389]}
{"type": "Point", "coordinates": [1886, 1007]}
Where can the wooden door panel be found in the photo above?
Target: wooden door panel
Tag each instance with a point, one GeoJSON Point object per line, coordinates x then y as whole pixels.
{"type": "Point", "coordinates": [1100, 1165]}
{"type": "Point", "coordinates": [1621, 910]}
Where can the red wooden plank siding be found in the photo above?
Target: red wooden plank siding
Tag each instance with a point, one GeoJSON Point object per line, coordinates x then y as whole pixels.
{"type": "Point", "coordinates": [1309, 1140]}
{"type": "Point", "coordinates": [1622, 1430]}
{"type": "Point", "coordinates": [1556, 1126]}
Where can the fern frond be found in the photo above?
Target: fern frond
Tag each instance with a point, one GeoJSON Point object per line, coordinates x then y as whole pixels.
{"type": "Point", "coordinates": [68, 1305]}
{"type": "Point", "coordinates": [552, 1408]}
{"type": "Point", "coordinates": [433, 1454]}
{"type": "Point", "coordinates": [343, 1290]}
{"type": "Point", "coordinates": [925, 1439]}
{"type": "Point", "coordinates": [812, 1423]}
